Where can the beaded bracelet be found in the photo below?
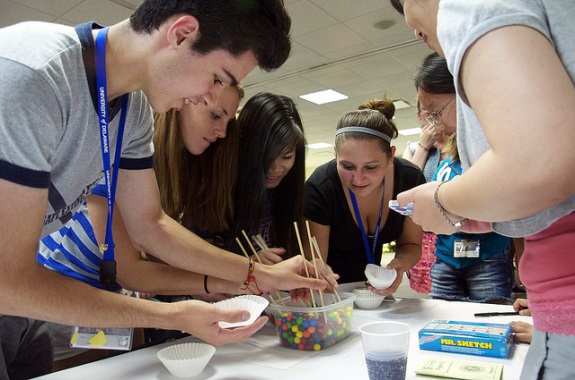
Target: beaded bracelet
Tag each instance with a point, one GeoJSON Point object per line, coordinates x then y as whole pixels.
{"type": "Point", "coordinates": [251, 278]}
{"type": "Point", "coordinates": [206, 284]}
{"type": "Point", "coordinates": [442, 211]}
{"type": "Point", "coordinates": [251, 267]}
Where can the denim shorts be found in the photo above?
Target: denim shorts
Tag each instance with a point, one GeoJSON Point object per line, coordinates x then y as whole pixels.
{"type": "Point", "coordinates": [489, 280]}
{"type": "Point", "coordinates": [549, 356]}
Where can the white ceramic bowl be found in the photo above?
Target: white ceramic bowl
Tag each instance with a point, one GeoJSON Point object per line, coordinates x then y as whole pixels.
{"type": "Point", "coordinates": [250, 302]}
{"type": "Point", "coordinates": [186, 359]}
{"type": "Point", "coordinates": [380, 277]}
{"type": "Point", "coordinates": [366, 299]}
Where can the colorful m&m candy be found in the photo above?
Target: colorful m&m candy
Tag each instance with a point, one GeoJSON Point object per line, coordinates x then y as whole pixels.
{"type": "Point", "coordinates": [313, 330]}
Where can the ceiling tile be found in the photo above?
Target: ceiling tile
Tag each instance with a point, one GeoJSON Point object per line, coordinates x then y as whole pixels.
{"type": "Point", "coordinates": [345, 10]}
{"type": "Point", "coordinates": [14, 13]}
{"type": "Point", "coordinates": [307, 17]}
{"type": "Point", "coordinates": [364, 25]}
{"type": "Point", "coordinates": [103, 11]}
{"type": "Point", "coordinates": [331, 38]}
{"type": "Point", "coordinates": [52, 7]}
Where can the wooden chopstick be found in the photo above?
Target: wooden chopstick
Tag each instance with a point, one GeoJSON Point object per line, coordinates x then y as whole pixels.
{"type": "Point", "coordinates": [315, 267]}
{"type": "Point", "coordinates": [316, 246]}
{"type": "Point", "coordinates": [263, 246]}
{"type": "Point", "coordinates": [248, 257]}
{"type": "Point", "coordinates": [303, 255]}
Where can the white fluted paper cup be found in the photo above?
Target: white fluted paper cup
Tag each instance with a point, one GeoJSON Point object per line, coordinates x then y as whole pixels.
{"type": "Point", "coordinates": [366, 299]}
{"type": "Point", "coordinates": [186, 359]}
{"type": "Point", "coordinates": [250, 302]}
{"type": "Point", "coordinates": [380, 277]}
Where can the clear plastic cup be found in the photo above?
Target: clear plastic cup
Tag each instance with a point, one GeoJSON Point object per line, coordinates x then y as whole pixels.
{"type": "Point", "coordinates": [385, 345]}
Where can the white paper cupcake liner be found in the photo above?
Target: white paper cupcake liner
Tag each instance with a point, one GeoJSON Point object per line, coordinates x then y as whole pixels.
{"type": "Point", "coordinates": [366, 299]}
{"type": "Point", "coordinates": [251, 302]}
{"type": "Point", "coordinates": [186, 359]}
{"type": "Point", "coordinates": [380, 277]}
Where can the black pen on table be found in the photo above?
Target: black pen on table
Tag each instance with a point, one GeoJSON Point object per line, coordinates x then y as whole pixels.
{"type": "Point", "coordinates": [496, 313]}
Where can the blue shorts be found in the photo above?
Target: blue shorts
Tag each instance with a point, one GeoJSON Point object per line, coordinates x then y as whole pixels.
{"type": "Point", "coordinates": [489, 280]}
{"type": "Point", "coordinates": [549, 356]}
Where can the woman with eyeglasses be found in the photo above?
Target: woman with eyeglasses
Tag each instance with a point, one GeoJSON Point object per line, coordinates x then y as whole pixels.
{"type": "Point", "coordinates": [481, 274]}
{"type": "Point", "coordinates": [428, 152]}
{"type": "Point", "coordinates": [435, 106]}
{"type": "Point", "coordinates": [347, 198]}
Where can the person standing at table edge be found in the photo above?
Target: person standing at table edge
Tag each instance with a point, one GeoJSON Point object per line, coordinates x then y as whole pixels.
{"type": "Point", "coordinates": [347, 198]}
{"type": "Point", "coordinates": [73, 250]}
{"type": "Point", "coordinates": [269, 192]}
{"type": "Point", "coordinates": [52, 114]}
{"type": "Point", "coordinates": [513, 64]}
{"type": "Point", "coordinates": [468, 267]}
{"type": "Point", "coordinates": [432, 80]}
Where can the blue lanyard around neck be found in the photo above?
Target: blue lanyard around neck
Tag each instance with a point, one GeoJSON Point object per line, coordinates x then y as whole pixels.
{"type": "Point", "coordinates": [108, 266]}
{"type": "Point", "coordinates": [368, 252]}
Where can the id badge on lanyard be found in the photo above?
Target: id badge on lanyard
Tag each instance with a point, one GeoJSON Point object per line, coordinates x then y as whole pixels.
{"type": "Point", "coordinates": [466, 248]}
{"type": "Point", "coordinates": [102, 338]}
{"type": "Point", "coordinates": [118, 338]}
{"type": "Point", "coordinates": [106, 338]}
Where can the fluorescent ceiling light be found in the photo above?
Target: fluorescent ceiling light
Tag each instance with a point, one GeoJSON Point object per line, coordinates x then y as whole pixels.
{"type": "Point", "coordinates": [400, 104]}
{"type": "Point", "coordinates": [323, 97]}
{"type": "Point", "coordinates": [319, 145]}
{"type": "Point", "coordinates": [409, 132]}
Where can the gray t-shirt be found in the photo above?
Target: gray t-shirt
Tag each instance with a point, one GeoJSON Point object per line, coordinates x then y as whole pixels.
{"type": "Point", "coordinates": [49, 128]}
{"type": "Point", "coordinates": [460, 24]}
{"type": "Point", "coordinates": [432, 161]}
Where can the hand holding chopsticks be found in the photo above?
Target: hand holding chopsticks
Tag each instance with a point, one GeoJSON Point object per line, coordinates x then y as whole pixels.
{"type": "Point", "coordinates": [267, 255]}
{"type": "Point", "coordinates": [295, 274]}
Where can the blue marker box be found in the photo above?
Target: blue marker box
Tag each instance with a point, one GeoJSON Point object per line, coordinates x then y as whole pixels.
{"type": "Point", "coordinates": [472, 338]}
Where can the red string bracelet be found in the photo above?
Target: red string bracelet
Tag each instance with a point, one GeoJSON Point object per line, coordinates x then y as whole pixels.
{"type": "Point", "coordinates": [251, 278]}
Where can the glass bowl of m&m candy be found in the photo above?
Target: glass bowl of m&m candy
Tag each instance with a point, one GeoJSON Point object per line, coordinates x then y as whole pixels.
{"type": "Point", "coordinates": [313, 327]}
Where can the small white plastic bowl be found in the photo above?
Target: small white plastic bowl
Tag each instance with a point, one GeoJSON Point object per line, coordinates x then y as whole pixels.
{"type": "Point", "coordinates": [250, 302]}
{"type": "Point", "coordinates": [186, 359]}
{"type": "Point", "coordinates": [380, 277]}
{"type": "Point", "coordinates": [366, 299]}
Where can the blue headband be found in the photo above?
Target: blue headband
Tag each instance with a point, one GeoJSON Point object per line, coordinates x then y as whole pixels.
{"type": "Point", "coordinates": [369, 131]}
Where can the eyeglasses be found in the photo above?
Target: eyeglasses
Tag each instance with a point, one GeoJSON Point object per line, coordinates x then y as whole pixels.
{"type": "Point", "coordinates": [435, 116]}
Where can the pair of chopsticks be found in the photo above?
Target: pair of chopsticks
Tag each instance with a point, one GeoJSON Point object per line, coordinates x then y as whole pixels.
{"type": "Point", "coordinates": [317, 252]}
{"type": "Point", "coordinates": [314, 248]}
{"type": "Point", "coordinates": [262, 244]}
{"type": "Point", "coordinates": [305, 266]}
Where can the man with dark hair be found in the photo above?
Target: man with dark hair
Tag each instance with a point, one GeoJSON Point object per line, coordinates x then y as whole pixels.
{"type": "Point", "coordinates": [236, 26]}
{"type": "Point", "coordinates": [60, 85]}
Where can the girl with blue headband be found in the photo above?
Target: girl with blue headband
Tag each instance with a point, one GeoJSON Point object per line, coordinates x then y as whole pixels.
{"type": "Point", "coordinates": [346, 198]}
